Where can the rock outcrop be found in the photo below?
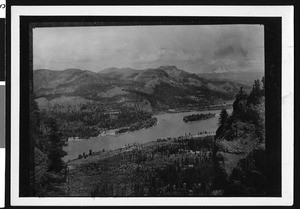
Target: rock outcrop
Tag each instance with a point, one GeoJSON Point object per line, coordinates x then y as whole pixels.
{"type": "Point", "coordinates": [240, 154]}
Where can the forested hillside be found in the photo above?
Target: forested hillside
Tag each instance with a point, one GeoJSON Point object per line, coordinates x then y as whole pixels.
{"type": "Point", "coordinates": [240, 161]}
{"type": "Point", "coordinates": [85, 103]}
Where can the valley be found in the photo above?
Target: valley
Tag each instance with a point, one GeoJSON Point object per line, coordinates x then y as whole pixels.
{"type": "Point", "coordinates": [149, 110]}
{"type": "Point", "coordinates": [87, 103]}
{"type": "Point", "coordinates": [154, 132]}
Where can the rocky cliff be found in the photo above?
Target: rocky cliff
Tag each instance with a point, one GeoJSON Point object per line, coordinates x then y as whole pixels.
{"type": "Point", "coordinates": [240, 154]}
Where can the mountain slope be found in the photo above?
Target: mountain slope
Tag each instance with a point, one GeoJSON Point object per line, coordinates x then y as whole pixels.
{"type": "Point", "coordinates": [66, 81]}
{"type": "Point", "coordinates": [119, 73]}
{"type": "Point", "coordinates": [164, 87]}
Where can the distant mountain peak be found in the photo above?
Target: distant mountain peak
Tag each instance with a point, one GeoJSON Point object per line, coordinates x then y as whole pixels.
{"type": "Point", "coordinates": [222, 69]}
{"type": "Point", "coordinates": [109, 70]}
{"type": "Point", "coordinates": [72, 70]}
{"type": "Point", "coordinates": [164, 67]}
{"type": "Point", "coordinates": [116, 70]}
{"type": "Point", "coordinates": [127, 68]}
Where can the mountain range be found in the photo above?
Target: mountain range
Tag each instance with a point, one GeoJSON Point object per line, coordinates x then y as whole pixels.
{"type": "Point", "coordinates": [226, 74]}
{"type": "Point", "coordinates": [149, 89]}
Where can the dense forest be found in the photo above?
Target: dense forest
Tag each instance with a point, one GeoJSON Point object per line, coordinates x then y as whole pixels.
{"type": "Point", "coordinates": [88, 120]}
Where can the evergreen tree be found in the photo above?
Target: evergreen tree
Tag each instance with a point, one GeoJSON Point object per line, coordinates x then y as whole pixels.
{"type": "Point", "coordinates": [222, 122]}
{"type": "Point", "coordinates": [239, 105]}
{"type": "Point", "coordinates": [55, 150]}
{"type": "Point", "coordinates": [241, 95]}
{"type": "Point", "coordinates": [263, 82]}
{"type": "Point", "coordinates": [223, 117]}
{"type": "Point", "coordinates": [255, 94]}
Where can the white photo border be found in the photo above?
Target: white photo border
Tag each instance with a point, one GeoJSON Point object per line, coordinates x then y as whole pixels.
{"type": "Point", "coordinates": [285, 12]}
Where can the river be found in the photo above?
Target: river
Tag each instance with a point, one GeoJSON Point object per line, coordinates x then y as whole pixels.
{"type": "Point", "coordinates": [168, 125]}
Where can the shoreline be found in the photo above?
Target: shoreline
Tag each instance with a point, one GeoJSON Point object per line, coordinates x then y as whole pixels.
{"type": "Point", "coordinates": [125, 129]}
{"type": "Point", "coordinates": [112, 132]}
{"type": "Point", "coordinates": [179, 110]}
{"type": "Point", "coordinates": [100, 155]}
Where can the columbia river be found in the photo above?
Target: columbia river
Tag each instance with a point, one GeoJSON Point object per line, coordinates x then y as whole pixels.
{"type": "Point", "coordinates": [168, 125]}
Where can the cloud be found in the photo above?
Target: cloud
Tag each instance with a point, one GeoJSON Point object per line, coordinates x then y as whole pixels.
{"type": "Point", "coordinates": [194, 48]}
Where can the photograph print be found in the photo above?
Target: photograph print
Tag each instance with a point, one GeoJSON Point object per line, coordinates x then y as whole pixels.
{"type": "Point", "coordinates": [148, 111]}
{"type": "Point", "coordinates": [163, 107]}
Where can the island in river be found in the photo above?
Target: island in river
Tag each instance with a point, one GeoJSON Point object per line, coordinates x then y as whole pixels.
{"type": "Point", "coordinates": [196, 117]}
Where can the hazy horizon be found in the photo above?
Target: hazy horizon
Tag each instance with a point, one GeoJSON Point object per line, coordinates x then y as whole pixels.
{"type": "Point", "coordinates": [193, 48]}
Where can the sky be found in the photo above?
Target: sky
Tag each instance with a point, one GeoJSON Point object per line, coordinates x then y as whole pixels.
{"type": "Point", "coordinates": [193, 48]}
